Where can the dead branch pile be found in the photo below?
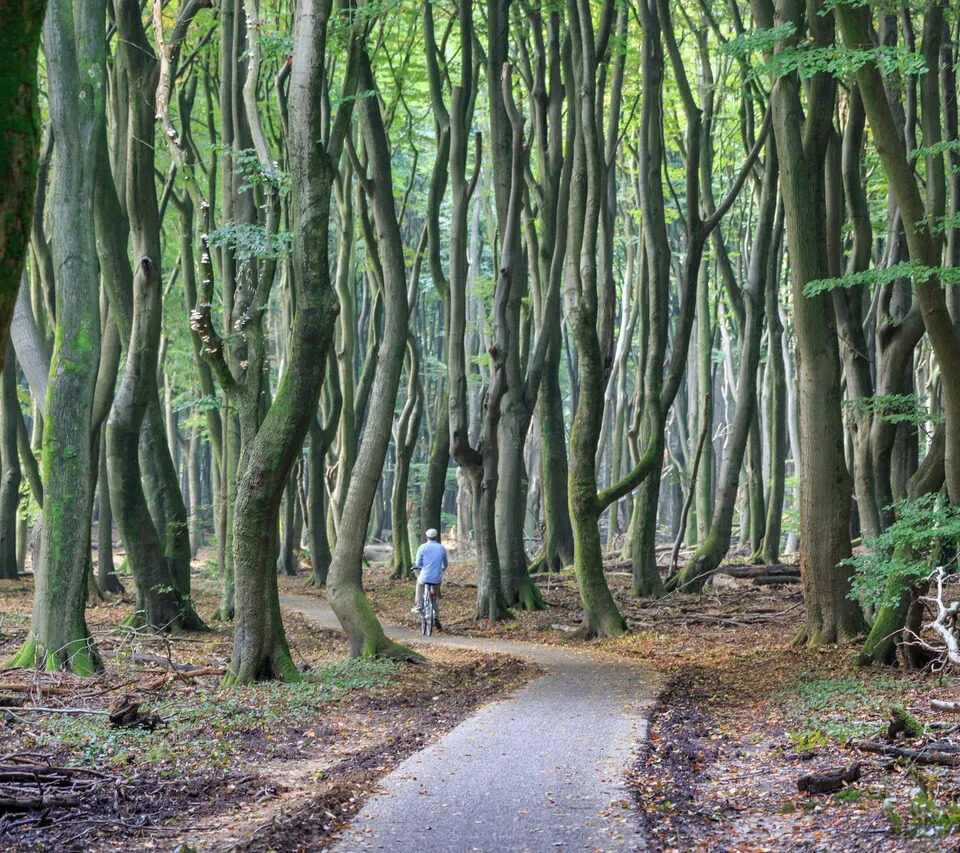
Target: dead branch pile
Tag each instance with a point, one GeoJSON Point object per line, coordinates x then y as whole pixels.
{"type": "Point", "coordinates": [29, 783]}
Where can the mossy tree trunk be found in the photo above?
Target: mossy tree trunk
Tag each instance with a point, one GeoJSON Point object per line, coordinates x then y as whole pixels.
{"type": "Point", "coordinates": [581, 305]}
{"type": "Point", "coordinates": [10, 460]}
{"type": "Point", "coordinates": [270, 445]}
{"type": "Point", "coordinates": [74, 49]}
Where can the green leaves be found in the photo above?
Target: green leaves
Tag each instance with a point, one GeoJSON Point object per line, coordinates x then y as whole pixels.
{"type": "Point", "coordinates": [893, 408]}
{"type": "Point", "coordinates": [808, 58]}
{"type": "Point", "coordinates": [248, 241]}
{"type": "Point", "coordinates": [912, 270]}
{"type": "Point", "coordinates": [925, 532]}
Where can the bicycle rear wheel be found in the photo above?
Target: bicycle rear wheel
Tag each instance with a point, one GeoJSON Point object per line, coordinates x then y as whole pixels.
{"type": "Point", "coordinates": [428, 615]}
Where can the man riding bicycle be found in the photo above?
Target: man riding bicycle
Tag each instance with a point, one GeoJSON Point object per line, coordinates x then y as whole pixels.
{"type": "Point", "coordinates": [432, 562]}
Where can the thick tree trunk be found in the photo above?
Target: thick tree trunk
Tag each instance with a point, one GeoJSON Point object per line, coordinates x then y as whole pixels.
{"type": "Point", "coordinates": [824, 481]}
{"type": "Point", "coordinates": [74, 49]}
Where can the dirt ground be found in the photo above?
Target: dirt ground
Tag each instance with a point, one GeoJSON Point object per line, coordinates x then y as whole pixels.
{"type": "Point", "coordinates": [744, 716]}
{"type": "Point", "coordinates": [263, 767]}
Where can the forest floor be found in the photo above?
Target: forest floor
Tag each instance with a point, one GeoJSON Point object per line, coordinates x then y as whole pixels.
{"type": "Point", "coordinates": [223, 767]}
{"type": "Point", "coordinates": [743, 716]}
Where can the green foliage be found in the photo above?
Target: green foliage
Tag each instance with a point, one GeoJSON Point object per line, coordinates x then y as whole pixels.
{"type": "Point", "coordinates": [753, 42]}
{"type": "Point", "coordinates": [925, 817]}
{"type": "Point", "coordinates": [840, 61]}
{"type": "Point", "coordinates": [803, 741]}
{"type": "Point", "coordinates": [925, 530]}
{"type": "Point", "coordinates": [248, 241]}
{"type": "Point", "coordinates": [913, 270]}
{"type": "Point", "coordinates": [893, 408]}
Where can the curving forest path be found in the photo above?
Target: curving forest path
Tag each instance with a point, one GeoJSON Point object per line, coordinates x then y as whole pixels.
{"type": "Point", "coordinates": [541, 770]}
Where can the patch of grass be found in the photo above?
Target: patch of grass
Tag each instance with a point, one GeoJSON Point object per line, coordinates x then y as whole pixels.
{"type": "Point", "coordinates": [207, 728]}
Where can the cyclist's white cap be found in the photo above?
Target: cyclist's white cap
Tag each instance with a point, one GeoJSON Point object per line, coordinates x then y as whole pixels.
{"type": "Point", "coordinates": [432, 533]}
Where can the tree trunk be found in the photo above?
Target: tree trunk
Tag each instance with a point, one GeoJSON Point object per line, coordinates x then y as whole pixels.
{"type": "Point", "coordinates": [10, 476]}
{"type": "Point", "coordinates": [106, 575]}
{"type": "Point", "coordinates": [21, 22]}
{"type": "Point", "coordinates": [74, 49]}
{"type": "Point", "coordinates": [824, 481]}
{"type": "Point", "coordinates": [344, 588]}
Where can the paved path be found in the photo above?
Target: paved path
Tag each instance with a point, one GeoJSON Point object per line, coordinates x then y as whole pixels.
{"type": "Point", "coordinates": [539, 771]}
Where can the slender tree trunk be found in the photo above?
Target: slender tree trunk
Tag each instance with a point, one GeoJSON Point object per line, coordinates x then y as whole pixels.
{"type": "Point", "coordinates": [106, 575]}
{"type": "Point", "coordinates": [344, 588]}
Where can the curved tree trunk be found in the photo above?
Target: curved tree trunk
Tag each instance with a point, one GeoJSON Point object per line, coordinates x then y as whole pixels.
{"type": "Point", "coordinates": [344, 588]}
{"type": "Point", "coordinates": [158, 604]}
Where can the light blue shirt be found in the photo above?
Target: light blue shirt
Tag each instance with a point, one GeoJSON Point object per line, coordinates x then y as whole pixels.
{"type": "Point", "coordinates": [432, 562]}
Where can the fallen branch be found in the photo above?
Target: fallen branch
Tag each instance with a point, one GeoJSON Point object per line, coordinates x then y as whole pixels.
{"type": "Point", "coordinates": [40, 688]}
{"type": "Point", "coordinates": [942, 705]}
{"type": "Point", "coordinates": [941, 756]}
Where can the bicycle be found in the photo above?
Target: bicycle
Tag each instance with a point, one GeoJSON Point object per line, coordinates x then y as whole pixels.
{"type": "Point", "coordinates": [428, 612]}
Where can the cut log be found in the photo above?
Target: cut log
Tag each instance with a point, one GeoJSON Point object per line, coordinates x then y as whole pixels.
{"type": "Point", "coordinates": [942, 755]}
{"type": "Point", "coordinates": [829, 781]}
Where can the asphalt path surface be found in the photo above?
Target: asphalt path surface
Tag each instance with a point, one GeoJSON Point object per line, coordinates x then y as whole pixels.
{"type": "Point", "coordinates": [542, 770]}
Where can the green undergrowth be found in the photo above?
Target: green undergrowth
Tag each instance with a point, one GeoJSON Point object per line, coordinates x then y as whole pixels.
{"type": "Point", "coordinates": [839, 707]}
{"type": "Point", "coordinates": [208, 729]}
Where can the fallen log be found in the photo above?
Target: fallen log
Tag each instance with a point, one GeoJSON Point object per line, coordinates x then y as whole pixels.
{"type": "Point", "coordinates": [830, 781]}
{"type": "Point", "coordinates": [779, 570]}
{"type": "Point", "coordinates": [35, 803]}
{"type": "Point", "coordinates": [43, 688]}
{"type": "Point", "coordinates": [943, 705]}
{"type": "Point", "coordinates": [940, 756]}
